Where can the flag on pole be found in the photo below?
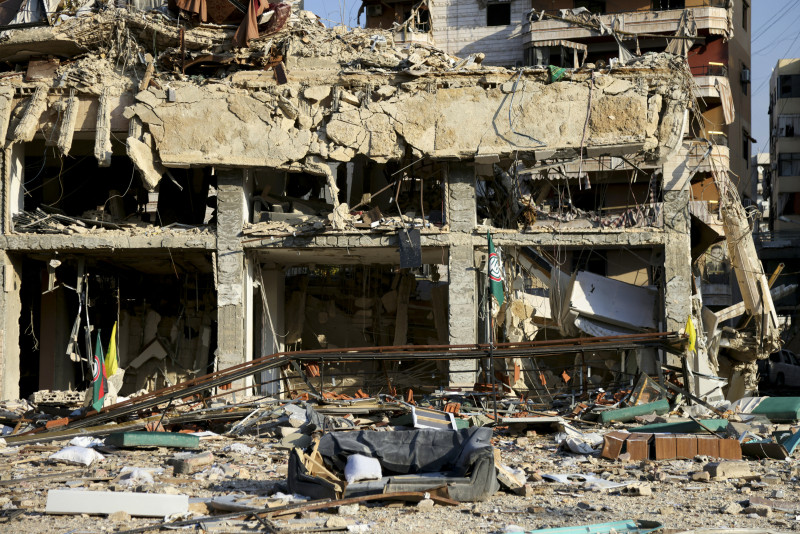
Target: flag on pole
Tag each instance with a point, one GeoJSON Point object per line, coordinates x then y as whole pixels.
{"type": "Point", "coordinates": [98, 376]}
{"type": "Point", "coordinates": [495, 272]}
{"type": "Point", "coordinates": [111, 355]}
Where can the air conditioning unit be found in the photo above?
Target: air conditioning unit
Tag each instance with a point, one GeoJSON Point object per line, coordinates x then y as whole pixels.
{"type": "Point", "coordinates": [745, 75]}
{"type": "Point", "coordinates": [374, 10]}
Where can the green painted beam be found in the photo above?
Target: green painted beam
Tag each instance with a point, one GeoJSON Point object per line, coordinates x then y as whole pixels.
{"type": "Point", "coordinates": [623, 415]}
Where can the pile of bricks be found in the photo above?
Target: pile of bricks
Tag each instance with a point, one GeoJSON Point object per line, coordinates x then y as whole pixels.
{"type": "Point", "coordinates": [636, 446]}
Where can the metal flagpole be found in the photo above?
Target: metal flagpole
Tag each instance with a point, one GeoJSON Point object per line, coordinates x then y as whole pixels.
{"type": "Point", "coordinates": [490, 325]}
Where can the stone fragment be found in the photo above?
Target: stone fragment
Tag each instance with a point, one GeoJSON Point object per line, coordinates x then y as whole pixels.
{"type": "Point", "coordinates": [336, 522]}
{"type": "Point", "coordinates": [191, 464]}
{"type": "Point", "coordinates": [425, 505]}
{"type": "Point", "coordinates": [759, 509]}
{"type": "Point", "coordinates": [348, 509]}
{"type": "Point", "coordinates": [732, 508]}
{"type": "Point", "coordinates": [121, 517]}
{"type": "Point", "coordinates": [701, 476]}
{"type": "Point", "coordinates": [317, 93]}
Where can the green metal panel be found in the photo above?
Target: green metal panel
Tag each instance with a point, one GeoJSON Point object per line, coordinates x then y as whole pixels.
{"type": "Point", "coordinates": [779, 408]}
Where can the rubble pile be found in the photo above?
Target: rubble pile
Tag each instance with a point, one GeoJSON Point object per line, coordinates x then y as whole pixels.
{"type": "Point", "coordinates": [283, 466]}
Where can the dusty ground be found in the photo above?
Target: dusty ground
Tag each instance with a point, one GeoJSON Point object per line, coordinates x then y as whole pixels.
{"type": "Point", "coordinates": [677, 501]}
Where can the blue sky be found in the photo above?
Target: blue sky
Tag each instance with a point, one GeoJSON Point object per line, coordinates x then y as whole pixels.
{"type": "Point", "coordinates": [335, 11]}
{"type": "Point", "coordinates": [775, 35]}
{"type": "Point", "coordinates": [775, 29]}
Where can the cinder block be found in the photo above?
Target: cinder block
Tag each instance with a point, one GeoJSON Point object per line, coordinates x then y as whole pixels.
{"type": "Point", "coordinates": [726, 470]}
{"type": "Point", "coordinates": [191, 464]}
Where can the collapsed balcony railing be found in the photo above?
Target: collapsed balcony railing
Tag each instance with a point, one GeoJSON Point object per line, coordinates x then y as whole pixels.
{"type": "Point", "coordinates": [188, 390]}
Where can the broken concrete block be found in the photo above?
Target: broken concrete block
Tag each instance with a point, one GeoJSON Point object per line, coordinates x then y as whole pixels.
{"type": "Point", "coordinates": [726, 470]}
{"type": "Point", "coordinates": [144, 159]}
{"type": "Point", "coordinates": [188, 464]}
{"type": "Point", "coordinates": [732, 508]}
{"type": "Point", "coordinates": [27, 126]}
{"type": "Point", "coordinates": [637, 490]}
{"type": "Point", "coordinates": [108, 502]}
{"type": "Point", "coordinates": [337, 523]}
{"type": "Point", "coordinates": [317, 93]}
{"type": "Point", "coordinates": [701, 476]}
{"type": "Point", "coordinates": [425, 505]}
{"type": "Point", "coordinates": [119, 517]}
{"type": "Point", "coordinates": [759, 509]}
{"type": "Point", "coordinates": [348, 509]}
{"type": "Point", "coordinates": [102, 142]}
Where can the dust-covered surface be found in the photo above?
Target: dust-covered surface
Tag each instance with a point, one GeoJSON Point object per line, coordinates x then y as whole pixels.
{"type": "Point", "coordinates": [250, 469]}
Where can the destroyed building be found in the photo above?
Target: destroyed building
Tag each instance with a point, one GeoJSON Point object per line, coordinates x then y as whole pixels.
{"type": "Point", "coordinates": [211, 203]}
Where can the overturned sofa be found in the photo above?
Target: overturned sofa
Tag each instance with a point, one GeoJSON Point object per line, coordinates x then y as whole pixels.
{"type": "Point", "coordinates": [462, 461]}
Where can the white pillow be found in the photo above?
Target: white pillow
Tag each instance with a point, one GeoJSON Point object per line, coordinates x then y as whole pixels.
{"type": "Point", "coordinates": [360, 467]}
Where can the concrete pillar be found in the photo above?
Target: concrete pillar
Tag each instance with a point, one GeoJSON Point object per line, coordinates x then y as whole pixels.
{"type": "Point", "coordinates": [10, 310]}
{"type": "Point", "coordinates": [677, 245]}
{"type": "Point", "coordinates": [231, 270]}
{"type": "Point", "coordinates": [462, 295]}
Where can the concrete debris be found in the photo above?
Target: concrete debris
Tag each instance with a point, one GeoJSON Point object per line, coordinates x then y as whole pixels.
{"type": "Point", "coordinates": [271, 245]}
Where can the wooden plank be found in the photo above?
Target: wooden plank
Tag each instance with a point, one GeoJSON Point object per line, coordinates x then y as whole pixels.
{"type": "Point", "coordinates": [685, 446]}
{"type": "Point", "coordinates": [665, 447]}
{"type": "Point", "coordinates": [612, 445]}
{"type": "Point", "coordinates": [708, 446]}
{"type": "Point", "coordinates": [638, 448]}
{"type": "Point", "coordinates": [730, 449]}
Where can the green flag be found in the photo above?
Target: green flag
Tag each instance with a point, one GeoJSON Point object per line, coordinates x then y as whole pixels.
{"type": "Point", "coordinates": [99, 380]}
{"type": "Point", "coordinates": [495, 272]}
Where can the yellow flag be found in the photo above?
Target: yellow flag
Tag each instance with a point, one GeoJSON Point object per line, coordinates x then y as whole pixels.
{"type": "Point", "coordinates": [111, 355]}
{"type": "Point", "coordinates": [690, 331]}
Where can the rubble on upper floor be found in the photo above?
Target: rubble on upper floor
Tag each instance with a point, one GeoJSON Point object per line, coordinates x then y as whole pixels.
{"type": "Point", "coordinates": [304, 99]}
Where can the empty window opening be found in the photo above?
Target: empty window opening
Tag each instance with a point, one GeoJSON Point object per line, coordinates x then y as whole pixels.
{"type": "Point", "coordinates": [163, 306]}
{"type": "Point", "coordinates": [74, 194]}
{"type": "Point", "coordinates": [498, 14]}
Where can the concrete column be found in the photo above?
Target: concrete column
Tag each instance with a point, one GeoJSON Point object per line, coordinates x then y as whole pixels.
{"type": "Point", "coordinates": [677, 251]}
{"type": "Point", "coordinates": [677, 246]}
{"type": "Point", "coordinates": [462, 295]}
{"type": "Point", "coordinates": [231, 270]}
{"type": "Point", "coordinates": [10, 310]}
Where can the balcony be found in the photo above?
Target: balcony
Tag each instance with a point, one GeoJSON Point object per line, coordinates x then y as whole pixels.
{"type": "Point", "coordinates": [710, 18]}
{"type": "Point", "coordinates": [708, 78]}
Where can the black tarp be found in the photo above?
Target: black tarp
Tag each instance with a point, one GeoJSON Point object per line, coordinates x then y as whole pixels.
{"type": "Point", "coordinates": [466, 454]}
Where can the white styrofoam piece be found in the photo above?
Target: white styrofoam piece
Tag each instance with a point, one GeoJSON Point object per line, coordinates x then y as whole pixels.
{"type": "Point", "coordinates": [108, 502]}
{"type": "Point", "coordinates": [613, 301]}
